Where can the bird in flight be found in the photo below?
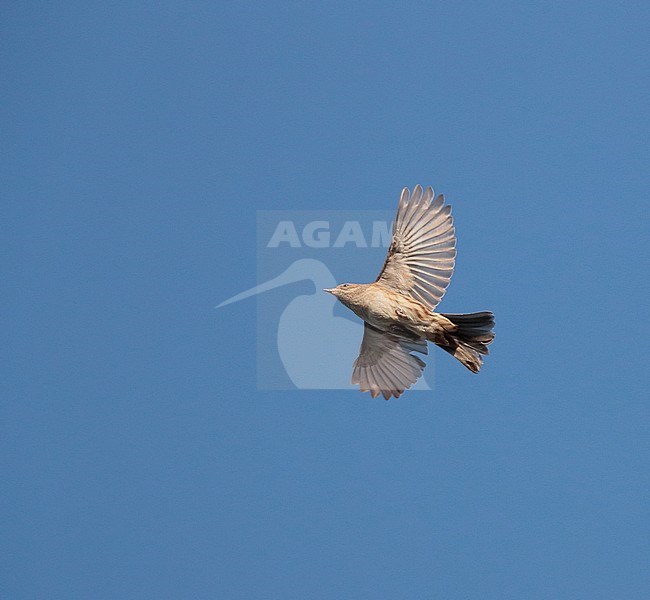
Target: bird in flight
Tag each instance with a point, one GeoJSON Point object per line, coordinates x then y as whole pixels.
{"type": "Point", "coordinates": [398, 308]}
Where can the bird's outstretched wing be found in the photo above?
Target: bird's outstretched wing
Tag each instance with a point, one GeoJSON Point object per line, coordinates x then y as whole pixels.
{"type": "Point", "coordinates": [385, 364]}
{"type": "Point", "coordinates": [422, 252]}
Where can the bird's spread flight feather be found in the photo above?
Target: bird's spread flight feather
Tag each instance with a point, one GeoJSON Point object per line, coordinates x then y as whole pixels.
{"type": "Point", "coordinates": [385, 364]}
{"type": "Point", "coordinates": [422, 253]}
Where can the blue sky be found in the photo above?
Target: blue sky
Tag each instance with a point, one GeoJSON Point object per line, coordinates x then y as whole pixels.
{"type": "Point", "coordinates": [139, 459]}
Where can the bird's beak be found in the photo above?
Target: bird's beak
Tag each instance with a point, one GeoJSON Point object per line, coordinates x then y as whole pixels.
{"type": "Point", "coordinates": [329, 290]}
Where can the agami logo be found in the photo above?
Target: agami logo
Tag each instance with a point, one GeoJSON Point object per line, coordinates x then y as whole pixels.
{"type": "Point", "coordinates": [305, 338]}
{"type": "Point", "coordinates": [318, 234]}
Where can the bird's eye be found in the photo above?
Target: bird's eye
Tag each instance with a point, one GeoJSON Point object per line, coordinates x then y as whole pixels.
{"type": "Point", "coordinates": [345, 285]}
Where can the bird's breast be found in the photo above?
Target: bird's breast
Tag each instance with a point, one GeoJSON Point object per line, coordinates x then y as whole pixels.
{"type": "Point", "coordinates": [384, 308]}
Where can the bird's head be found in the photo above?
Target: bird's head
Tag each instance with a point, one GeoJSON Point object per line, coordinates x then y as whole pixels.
{"type": "Point", "coordinates": [348, 293]}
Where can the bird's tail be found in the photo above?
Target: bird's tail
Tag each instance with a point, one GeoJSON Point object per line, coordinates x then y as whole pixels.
{"type": "Point", "coordinates": [470, 339]}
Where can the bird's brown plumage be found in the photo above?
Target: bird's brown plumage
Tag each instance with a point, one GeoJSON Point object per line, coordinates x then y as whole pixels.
{"type": "Point", "coordinates": [398, 308]}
